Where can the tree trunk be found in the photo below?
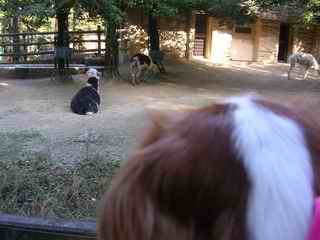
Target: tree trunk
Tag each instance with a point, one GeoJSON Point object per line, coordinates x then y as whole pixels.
{"type": "Point", "coordinates": [112, 51]}
{"type": "Point", "coordinates": [154, 43]}
{"type": "Point", "coordinates": [63, 52]}
{"type": "Point", "coordinates": [75, 16]}
{"type": "Point", "coordinates": [16, 39]}
{"type": "Point", "coordinates": [62, 47]}
{"type": "Point", "coordinates": [63, 34]}
{"type": "Point", "coordinates": [188, 31]}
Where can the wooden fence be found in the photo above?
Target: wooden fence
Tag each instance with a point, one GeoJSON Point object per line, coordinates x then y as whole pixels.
{"type": "Point", "coordinates": [37, 46]}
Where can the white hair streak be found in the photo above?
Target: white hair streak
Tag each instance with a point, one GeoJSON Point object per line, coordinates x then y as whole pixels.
{"type": "Point", "coordinates": [274, 152]}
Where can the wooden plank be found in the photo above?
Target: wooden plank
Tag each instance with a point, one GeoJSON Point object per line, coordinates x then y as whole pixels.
{"type": "Point", "coordinates": [47, 33]}
{"type": "Point", "coordinates": [89, 50]}
{"type": "Point", "coordinates": [27, 54]}
{"type": "Point", "coordinates": [49, 52]}
{"type": "Point", "coordinates": [29, 33]}
{"type": "Point", "coordinates": [26, 44]}
{"type": "Point", "coordinates": [45, 43]}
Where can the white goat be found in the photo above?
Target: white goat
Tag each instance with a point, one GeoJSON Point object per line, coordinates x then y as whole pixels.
{"type": "Point", "coordinates": [304, 59]}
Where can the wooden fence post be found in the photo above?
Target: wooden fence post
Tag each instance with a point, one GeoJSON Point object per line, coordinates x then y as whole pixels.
{"type": "Point", "coordinates": [99, 40]}
{"type": "Point", "coordinates": [25, 47]}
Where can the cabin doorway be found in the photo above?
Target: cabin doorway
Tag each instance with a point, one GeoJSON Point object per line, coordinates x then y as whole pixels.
{"type": "Point", "coordinates": [284, 42]}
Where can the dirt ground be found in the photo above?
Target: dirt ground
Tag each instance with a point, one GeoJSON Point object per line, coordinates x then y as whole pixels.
{"type": "Point", "coordinates": [41, 107]}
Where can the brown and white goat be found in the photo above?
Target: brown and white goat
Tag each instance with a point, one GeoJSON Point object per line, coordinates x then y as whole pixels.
{"type": "Point", "coordinates": [140, 64]}
{"type": "Point", "coordinates": [241, 169]}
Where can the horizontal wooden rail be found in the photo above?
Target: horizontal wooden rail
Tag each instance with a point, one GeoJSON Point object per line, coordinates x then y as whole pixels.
{"type": "Point", "coordinates": [26, 44]}
{"type": "Point", "coordinates": [26, 54]}
{"type": "Point", "coordinates": [47, 33]}
{"type": "Point", "coordinates": [47, 43]}
{"type": "Point", "coordinates": [21, 46]}
{"type": "Point", "coordinates": [49, 52]}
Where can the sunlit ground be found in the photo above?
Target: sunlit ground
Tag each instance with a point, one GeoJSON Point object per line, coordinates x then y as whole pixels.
{"type": "Point", "coordinates": [35, 118]}
{"type": "Point", "coordinates": [44, 106]}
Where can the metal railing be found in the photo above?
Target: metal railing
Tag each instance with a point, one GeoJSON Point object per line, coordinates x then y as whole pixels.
{"type": "Point", "coordinates": [13, 227]}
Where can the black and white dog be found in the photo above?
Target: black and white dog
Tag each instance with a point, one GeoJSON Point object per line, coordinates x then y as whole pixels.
{"type": "Point", "coordinates": [87, 99]}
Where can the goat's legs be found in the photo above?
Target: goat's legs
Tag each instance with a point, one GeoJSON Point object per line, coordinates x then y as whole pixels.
{"type": "Point", "coordinates": [143, 72]}
{"type": "Point", "coordinates": [139, 74]}
{"type": "Point", "coordinates": [289, 72]}
{"type": "Point", "coordinates": [306, 73]}
{"type": "Point", "coordinates": [133, 79]}
{"type": "Point", "coordinates": [133, 76]}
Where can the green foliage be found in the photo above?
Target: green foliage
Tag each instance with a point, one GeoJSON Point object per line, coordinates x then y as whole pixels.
{"type": "Point", "coordinates": [312, 11]}
{"type": "Point", "coordinates": [157, 7]}
{"type": "Point", "coordinates": [238, 10]}
{"type": "Point", "coordinates": [36, 12]}
{"type": "Point", "coordinates": [235, 9]}
{"type": "Point", "coordinates": [25, 7]}
{"type": "Point", "coordinates": [33, 13]}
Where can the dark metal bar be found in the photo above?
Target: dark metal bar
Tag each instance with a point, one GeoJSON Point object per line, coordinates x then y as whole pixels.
{"type": "Point", "coordinates": [25, 47]}
{"type": "Point", "coordinates": [99, 40]}
{"type": "Point", "coordinates": [52, 226]}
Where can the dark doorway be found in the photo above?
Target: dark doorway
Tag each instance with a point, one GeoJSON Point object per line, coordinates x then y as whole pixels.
{"type": "Point", "coordinates": [284, 42]}
{"type": "Point", "coordinates": [200, 35]}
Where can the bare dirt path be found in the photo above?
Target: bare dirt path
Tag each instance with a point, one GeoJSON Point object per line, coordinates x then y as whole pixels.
{"type": "Point", "coordinates": [38, 110]}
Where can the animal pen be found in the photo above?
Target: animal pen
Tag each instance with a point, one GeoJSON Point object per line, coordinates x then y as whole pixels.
{"type": "Point", "coordinates": [38, 51]}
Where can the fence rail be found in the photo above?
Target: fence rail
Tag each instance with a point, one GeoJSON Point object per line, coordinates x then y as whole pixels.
{"type": "Point", "coordinates": [48, 33]}
{"type": "Point", "coordinates": [21, 47]}
{"type": "Point", "coordinates": [14, 227]}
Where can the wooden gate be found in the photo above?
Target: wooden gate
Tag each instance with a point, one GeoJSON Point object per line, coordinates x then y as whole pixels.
{"type": "Point", "coordinates": [200, 35]}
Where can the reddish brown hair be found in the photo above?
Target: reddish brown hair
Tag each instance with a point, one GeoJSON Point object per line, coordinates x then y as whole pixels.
{"type": "Point", "coordinates": [180, 185]}
{"type": "Point", "coordinates": [186, 182]}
